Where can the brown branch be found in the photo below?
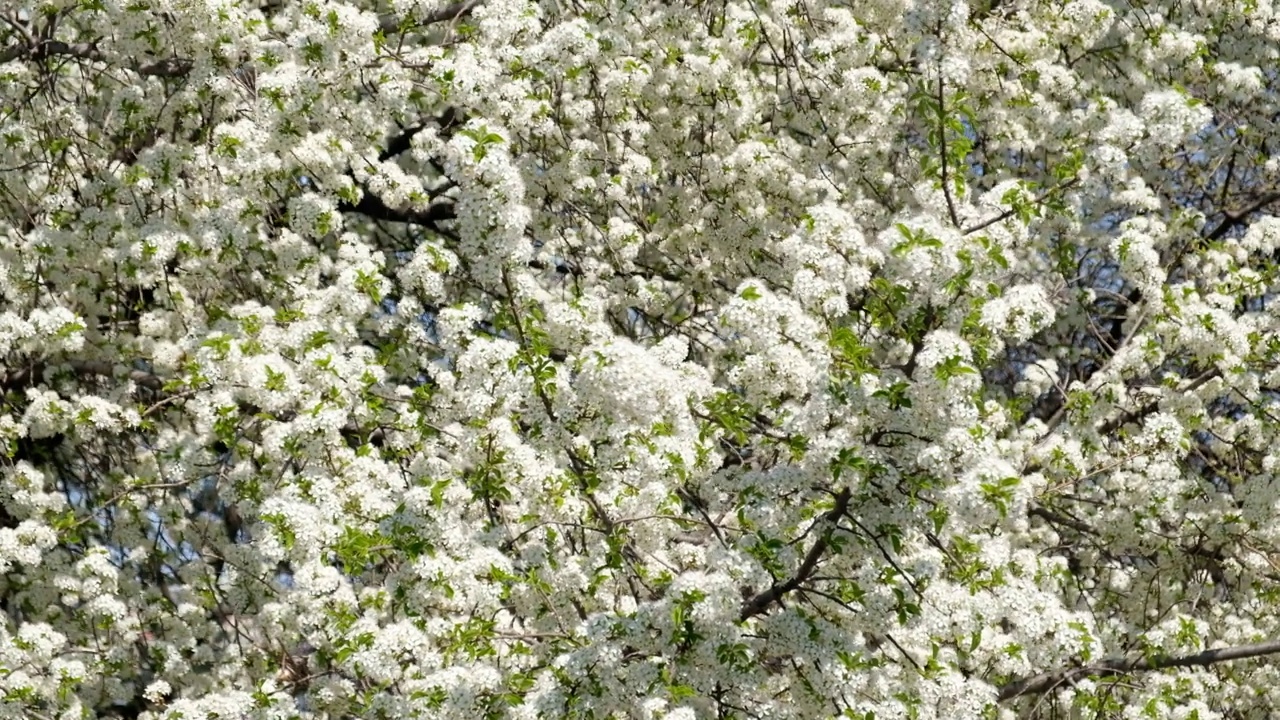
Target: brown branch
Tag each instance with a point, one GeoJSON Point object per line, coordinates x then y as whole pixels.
{"type": "Point", "coordinates": [1235, 218]}
{"type": "Point", "coordinates": [373, 207]}
{"type": "Point", "coordinates": [1039, 199]}
{"type": "Point", "coordinates": [1128, 416]}
{"type": "Point", "coordinates": [392, 23]}
{"type": "Point", "coordinates": [177, 67]}
{"type": "Point", "coordinates": [32, 373]}
{"type": "Point", "coordinates": [1143, 411]}
{"type": "Point", "coordinates": [452, 12]}
{"type": "Point", "coordinates": [761, 602]}
{"type": "Point", "coordinates": [561, 267]}
{"type": "Point", "coordinates": [168, 67]}
{"type": "Point", "coordinates": [942, 151]}
{"type": "Point", "coordinates": [1057, 518]}
{"type": "Point", "coordinates": [446, 123]}
{"type": "Point", "coordinates": [1046, 682]}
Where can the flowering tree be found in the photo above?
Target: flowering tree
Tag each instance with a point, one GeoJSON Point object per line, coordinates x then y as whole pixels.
{"type": "Point", "coordinates": [639, 359]}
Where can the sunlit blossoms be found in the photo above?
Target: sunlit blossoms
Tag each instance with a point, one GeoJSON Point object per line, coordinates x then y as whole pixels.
{"type": "Point", "coordinates": [521, 359]}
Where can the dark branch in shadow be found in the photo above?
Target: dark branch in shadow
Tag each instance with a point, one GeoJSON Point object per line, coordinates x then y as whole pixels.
{"type": "Point", "coordinates": [759, 604]}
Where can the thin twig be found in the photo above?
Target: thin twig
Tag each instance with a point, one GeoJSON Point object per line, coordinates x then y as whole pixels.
{"type": "Point", "coordinates": [942, 151]}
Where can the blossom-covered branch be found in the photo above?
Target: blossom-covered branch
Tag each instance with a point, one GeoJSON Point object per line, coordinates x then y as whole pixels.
{"type": "Point", "coordinates": [636, 358]}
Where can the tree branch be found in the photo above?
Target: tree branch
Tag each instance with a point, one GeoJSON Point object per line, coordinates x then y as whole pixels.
{"type": "Point", "coordinates": [373, 207]}
{"type": "Point", "coordinates": [942, 145]}
{"type": "Point", "coordinates": [32, 373]}
{"type": "Point", "coordinates": [31, 376]}
{"type": "Point", "coordinates": [1128, 416]}
{"type": "Point", "coordinates": [392, 23]}
{"type": "Point", "coordinates": [177, 67]}
{"type": "Point", "coordinates": [761, 602]}
{"type": "Point", "coordinates": [1039, 199]}
{"type": "Point", "coordinates": [168, 67]}
{"type": "Point", "coordinates": [1057, 518]}
{"type": "Point", "coordinates": [1235, 218]}
{"type": "Point", "coordinates": [447, 122]}
{"type": "Point", "coordinates": [1046, 682]}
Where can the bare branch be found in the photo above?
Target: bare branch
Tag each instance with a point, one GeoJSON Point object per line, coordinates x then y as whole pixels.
{"type": "Point", "coordinates": [1235, 218]}
{"type": "Point", "coordinates": [1046, 682]}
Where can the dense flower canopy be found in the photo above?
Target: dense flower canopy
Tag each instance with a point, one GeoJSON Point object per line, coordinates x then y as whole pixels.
{"type": "Point", "coordinates": [639, 359]}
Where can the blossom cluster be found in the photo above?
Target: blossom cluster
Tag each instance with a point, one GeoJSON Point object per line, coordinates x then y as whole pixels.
{"type": "Point", "coordinates": [514, 359]}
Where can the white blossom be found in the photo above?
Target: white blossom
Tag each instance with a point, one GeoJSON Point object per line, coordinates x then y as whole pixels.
{"type": "Point", "coordinates": [632, 359]}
